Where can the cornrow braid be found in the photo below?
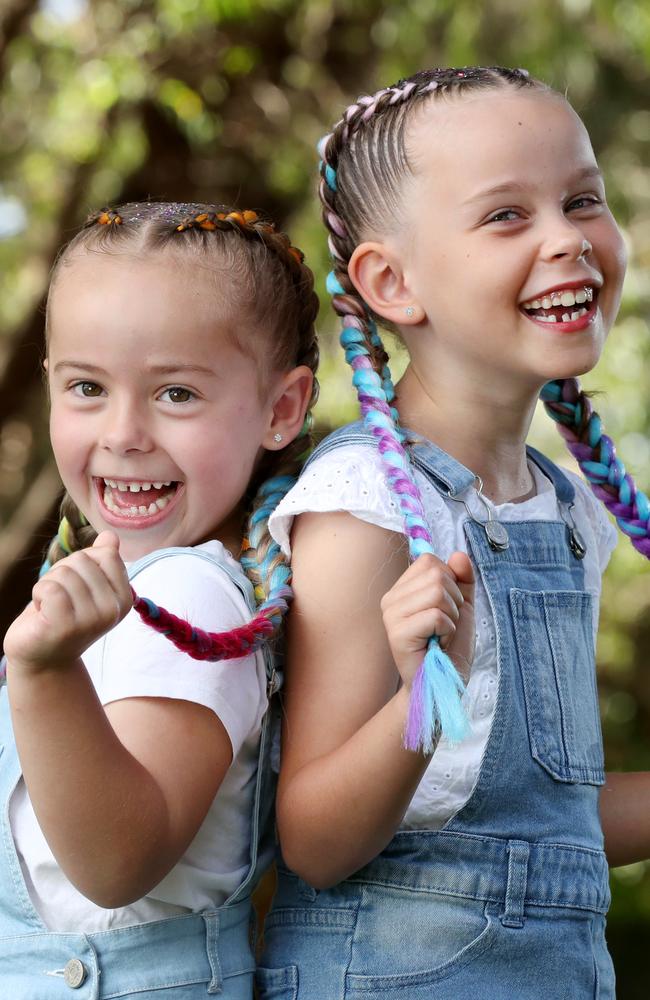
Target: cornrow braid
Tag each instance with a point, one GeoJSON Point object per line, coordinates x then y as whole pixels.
{"type": "Point", "coordinates": [163, 224]}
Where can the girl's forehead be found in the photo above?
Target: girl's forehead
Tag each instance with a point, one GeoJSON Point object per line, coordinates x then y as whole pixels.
{"type": "Point", "coordinates": [462, 139]}
{"type": "Point", "coordinates": [107, 298]}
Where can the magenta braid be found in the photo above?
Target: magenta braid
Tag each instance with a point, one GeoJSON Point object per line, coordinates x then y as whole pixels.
{"type": "Point", "coordinates": [209, 645]}
{"type": "Point", "coordinates": [595, 453]}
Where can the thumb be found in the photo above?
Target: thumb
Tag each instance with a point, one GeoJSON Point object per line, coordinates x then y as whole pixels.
{"type": "Point", "coordinates": [461, 566]}
{"type": "Point", "coordinates": [107, 540]}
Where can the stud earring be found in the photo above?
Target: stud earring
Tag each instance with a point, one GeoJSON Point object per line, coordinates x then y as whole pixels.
{"type": "Point", "coordinates": [410, 311]}
{"type": "Point", "coordinates": [277, 438]}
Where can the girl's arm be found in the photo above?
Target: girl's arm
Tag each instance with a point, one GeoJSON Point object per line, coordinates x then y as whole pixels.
{"type": "Point", "coordinates": [346, 780]}
{"type": "Point", "coordinates": [625, 817]}
{"type": "Point", "coordinates": [119, 792]}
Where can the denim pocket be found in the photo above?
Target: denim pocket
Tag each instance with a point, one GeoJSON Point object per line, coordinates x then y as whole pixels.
{"type": "Point", "coordinates": [277, 984]}
{"type": "Point", "coordinates": [462, 946]}
{"type": "Point", "coordinates": [555, 646]}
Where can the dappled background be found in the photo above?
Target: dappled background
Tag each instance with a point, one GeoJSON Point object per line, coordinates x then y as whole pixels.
{"type": "Point", "coordinates": [104, 101]}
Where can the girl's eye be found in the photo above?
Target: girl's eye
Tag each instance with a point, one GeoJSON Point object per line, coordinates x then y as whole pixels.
{"type": "Point", "coordinates": [584, 201]}
{"type": "Point", "coordinates": [177, 394]}
{"type": "Point", "coordinates": [505, 215]}
{"type": "Point", "coordinates": [87, 389]}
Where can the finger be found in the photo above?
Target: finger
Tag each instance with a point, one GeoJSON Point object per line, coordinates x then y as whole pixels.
{"type": "Point", "coordinates": [422, 599]}
{"type": "Point", "coordinates": [107, 540]}
{"type": "Point", "coordinates": [63, 595]}
{"type": "Point", "coordinates": [415, 633]}
{"type": "Point", "coordinates": [52, 601]}
{"type": "Point", "coordinates": [111, 564]}
{"type": "Point", "coordinates": [461, 566]}
{"type": "Point", "coordinates": [93, 592]}
{"type": "Point", "coordinates": [433, 584]}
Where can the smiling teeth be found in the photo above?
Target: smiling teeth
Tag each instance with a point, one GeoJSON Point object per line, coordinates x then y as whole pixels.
{"type": "Point", "coordinates": [134, 487]}
{"type": "Point", "coordinates": [567, 297]}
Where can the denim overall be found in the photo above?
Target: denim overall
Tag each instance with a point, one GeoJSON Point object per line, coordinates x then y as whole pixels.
{"type": "Point", "coordinates": [184, 957]}
{"type": "Point", "coordinates": [508, 900]}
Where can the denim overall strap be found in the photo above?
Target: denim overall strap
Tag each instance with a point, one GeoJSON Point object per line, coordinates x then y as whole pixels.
{"type": "Point", "coordinates": [452, 477]}
{"type": "Point", "coordinates": [16, 908]}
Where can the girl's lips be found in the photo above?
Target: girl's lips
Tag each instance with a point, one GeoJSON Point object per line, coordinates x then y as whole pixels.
{"type": "Point", "coordinates": [136, 521]}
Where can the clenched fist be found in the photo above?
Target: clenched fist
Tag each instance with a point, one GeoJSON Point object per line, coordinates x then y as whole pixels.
{"type": "Point", "coordinates": [76, 602]}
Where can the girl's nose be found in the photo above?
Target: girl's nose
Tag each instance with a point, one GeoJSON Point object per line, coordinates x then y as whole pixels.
{"type": "Point", "coordinates": [565, 240]}
{"type": "Point", "coordinates": [125, 430]}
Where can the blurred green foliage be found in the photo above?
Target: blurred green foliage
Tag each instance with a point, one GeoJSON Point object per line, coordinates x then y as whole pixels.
{"type": "Point", "coordinates": [102, 101]}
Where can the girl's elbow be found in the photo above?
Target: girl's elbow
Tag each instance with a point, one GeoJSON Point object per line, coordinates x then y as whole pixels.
{"type": "Point", "coordinates": [112, 887]}
{"type": "Point", "coordinates": [314, 867]}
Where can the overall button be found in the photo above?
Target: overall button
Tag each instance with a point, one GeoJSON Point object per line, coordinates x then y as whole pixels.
{"type": "Point", "coordinates": [74, 973]}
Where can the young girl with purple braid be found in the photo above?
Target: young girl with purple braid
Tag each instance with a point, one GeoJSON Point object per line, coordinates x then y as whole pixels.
{"type": "Point", "coordinates": [181, 359]}
{"type": "Point", "coordinates": [435, 847]}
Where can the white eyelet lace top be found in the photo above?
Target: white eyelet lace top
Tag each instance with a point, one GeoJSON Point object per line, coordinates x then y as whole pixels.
{"type": "Point", "coordinates": [350, 478]}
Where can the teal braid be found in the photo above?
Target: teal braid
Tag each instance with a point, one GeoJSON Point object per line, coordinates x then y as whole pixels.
{"type": "Point", "coordinates": [262, 557]}
{"type": "Point", "coordinates": [595, 453]}
{"type": "Point", "coordinates": [435, 704]}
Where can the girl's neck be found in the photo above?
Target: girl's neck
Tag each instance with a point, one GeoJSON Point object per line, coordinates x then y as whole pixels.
{"type": "Point", "coordinates": [488, 438]}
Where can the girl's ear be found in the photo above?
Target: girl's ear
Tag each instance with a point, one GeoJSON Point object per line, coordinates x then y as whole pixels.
{"type": "Point", "coordinates": [290, 401]}
{"type": "Point", "coordinates": [376, 272]}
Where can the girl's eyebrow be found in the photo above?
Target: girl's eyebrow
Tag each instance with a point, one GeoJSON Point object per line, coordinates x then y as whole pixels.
{"type": "Point", "coordinates": [154, 369]}
{"type": "Point", "coordinates": [587, 173]}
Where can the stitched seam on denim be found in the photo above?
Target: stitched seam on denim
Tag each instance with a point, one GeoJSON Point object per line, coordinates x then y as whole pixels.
{"type": "Point", "coordinates": [172, 983]}
{"type": "Point", "coordinates": [321, 917]}
{"type": "Point", "coordinates": [545, 602]}
{"type": "Point", "coordinates": [479, 795]}
{"type": "Point", "coordinates": [133, 991]}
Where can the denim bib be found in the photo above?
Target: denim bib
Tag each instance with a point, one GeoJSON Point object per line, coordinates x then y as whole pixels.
{"type": "Point", "coordinates": [507, 900]}
{"type": "Point", "coordinates": [184, 957]}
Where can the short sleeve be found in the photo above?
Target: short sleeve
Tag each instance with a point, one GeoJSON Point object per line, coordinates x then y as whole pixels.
{"type": "Point", "coordinates": [348, 478]}
{"type": "Point", "coordinates": [135, 661]}
{"type": "Point", "coordinates": [588, 506]}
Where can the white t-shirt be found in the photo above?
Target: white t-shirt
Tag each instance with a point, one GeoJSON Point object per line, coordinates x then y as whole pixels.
{"type": "Point", "coordinates": [134, 661]}
{"type": "Point", "coordinates": [350, 478]}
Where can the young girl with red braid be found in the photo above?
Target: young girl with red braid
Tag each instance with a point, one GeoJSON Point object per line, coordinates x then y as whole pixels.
{"type": "Point", "coordinates": [181, 358]}
{"type": "Point", "coordinates": [433, 846]}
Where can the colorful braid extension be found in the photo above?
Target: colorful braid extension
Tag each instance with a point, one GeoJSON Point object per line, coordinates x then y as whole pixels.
{"type": "Point", "coordinates": [595, 453]}
{"type": "Point", "coordinates": [435, 703]}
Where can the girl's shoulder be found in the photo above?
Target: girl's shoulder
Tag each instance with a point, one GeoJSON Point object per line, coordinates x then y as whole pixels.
{"type": "Point", "coordinates": [346, 473]}
{"type": "Point", "coordinates": [190, 574]}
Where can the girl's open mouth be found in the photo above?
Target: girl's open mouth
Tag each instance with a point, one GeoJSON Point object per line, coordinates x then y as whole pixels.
{"type": "Point", "coordinates": [136, 503]}
{"type": "Point", "coordinates": [566, 309]}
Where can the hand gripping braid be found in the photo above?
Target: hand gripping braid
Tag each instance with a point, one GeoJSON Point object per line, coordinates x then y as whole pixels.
{"type": "Point", "coordinates": [261, 557]}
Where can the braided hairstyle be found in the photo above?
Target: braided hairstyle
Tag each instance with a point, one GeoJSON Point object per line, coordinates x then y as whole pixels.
{"type": "Point", "coordinates": [273, 290]}
{"type": "Point", "coordinates": [364, 165]}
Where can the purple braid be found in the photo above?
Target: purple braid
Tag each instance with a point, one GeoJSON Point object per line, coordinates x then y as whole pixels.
{"type": "Point", "coordinates": [595, 453]}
